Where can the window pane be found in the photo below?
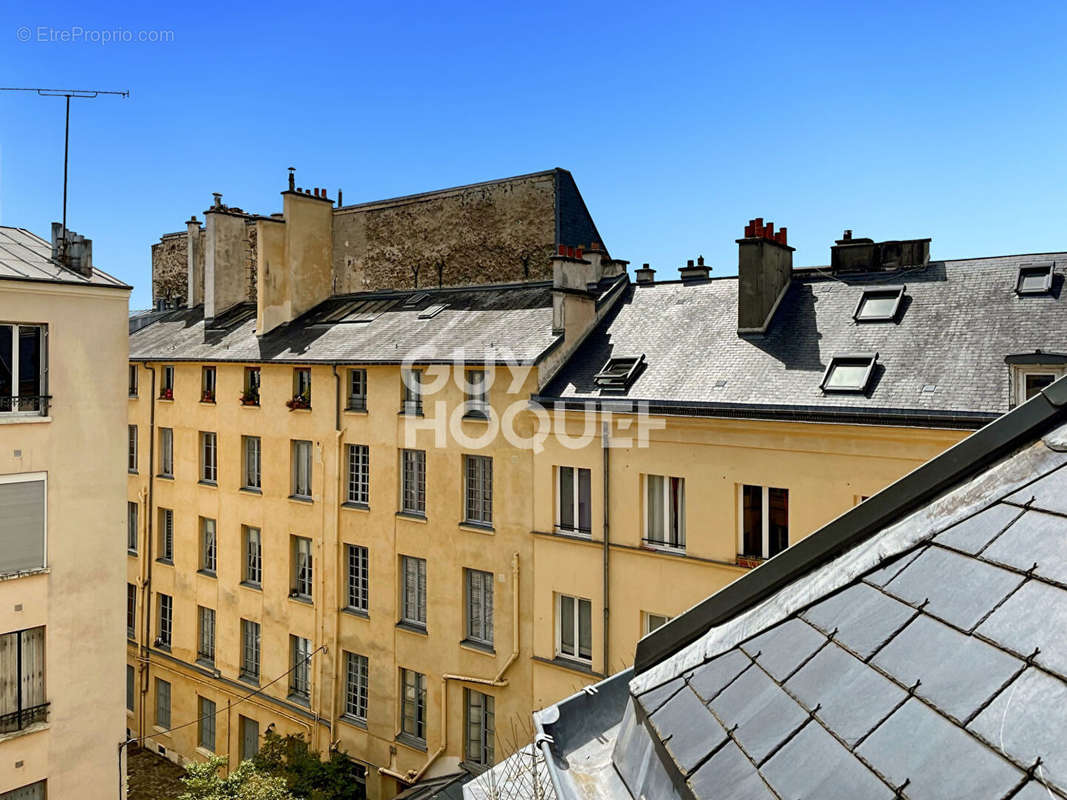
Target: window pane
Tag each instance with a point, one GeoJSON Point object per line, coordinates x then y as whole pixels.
{"type": "Point", "coordinates": [878, 306]}
{"type": "Point", "coordinates": [585, 629]}
{"type": "Point", "coordinates": [566, 625]}
{"type": "Point", "coordinates": [566, 498]}
{"type": "Point", "coordinates": [655, 508]}
{"type": "Point", "coordinates": [847, 376]}
{"type": "Point", "coordinates": [31, 347]}
{"type": "Point", "coordinates": [7, 364]}
{"type": "Point", "coordinates": [677, 512]}
{"type": "Point", "coordinates": [585, 512]}
{"type": "Point", "coordinates": [778, 520]}
{"type": "Point", "coordinates": [752, 520]}
{"type": "Point", "coordinates": [1035, 383]}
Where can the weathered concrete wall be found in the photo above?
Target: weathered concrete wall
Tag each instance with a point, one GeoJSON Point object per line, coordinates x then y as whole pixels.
{"type": "Point", "coordinates": [169, 267]}
{"type": "Point", "coordinates": [483, 234]}
{"type": "Point", "coordinates": [226, 261]}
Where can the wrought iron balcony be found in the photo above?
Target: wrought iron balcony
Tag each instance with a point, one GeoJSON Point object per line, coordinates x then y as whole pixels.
{"type": "Point", "coordinates": [23, 718]}
{"type": "Point", "coordinates": [25, 404]}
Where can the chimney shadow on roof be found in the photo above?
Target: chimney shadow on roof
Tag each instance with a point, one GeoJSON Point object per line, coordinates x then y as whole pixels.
{"type": "Point", "coordinates": [793, 336]}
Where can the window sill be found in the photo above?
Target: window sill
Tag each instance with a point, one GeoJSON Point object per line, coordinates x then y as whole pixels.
{"type": "Point", "coordinates": [355, 612]}
{"type": "Point", "coordinates": [478, 647]}
{"type": "Point", "coordinates": [132, 397]}
{"type": "Point", "coordinates": [480, 527]}
{"type": "Point", "coordinates": [164, 476]}
{"type": "Point", "coordinates": [663, 547]}
{"type": "Point", "coordinates": [414, 516]}
{"type": "Point", "coordinates": [303, 599]}
{"type": "Point", "coordinates": [205, 752]}
{"type": "Point", "coordinates": [25, 573]}
{"type": "Point", "coordinates": [476, 416]}
{"type": "Point", "coordinates": [212, 484]}
{"type": "Point", "coordinates": [300, 700]}
{"type": "Point", "coordinates": [159, 729]}
{"type": "Point", "coordinates": [132, 553]}
{"type": "Point", "coordinates": [355, 506]}
{"type": "Point", "coordinates": [168, 561]}
{"type": "Point", "coordinates": [403, 413]}
{"type": "Point", "coordinates": [131, 472]}
{"type": "Point", "coordinates": [29, 419]}
{"type": "Point", "coordinates": [563, 662]}
{"type": "Point", "coordinates": [206, 663]}
{"type": "Point", "coordinates": [165, 399]}
{"type": "Point", "coordinates": [207, 402]}
{"type": "Point", "coordinates": [257, 587]}
{"type": "Point", "coordinates": [250, 490]}
{"type": "Point", "coordinates": [749, 562]}
{"type": "Point", "coordinates": [208, 573]}
{"type": "Point", "coordinates": [413, 742]}
{"type": "Point", "coordinates": [355, 722]}
{"type": "Point", "coordinates": [356, 410]}
{"type": "Point", "coordinates": [308, 409]}
{"type": "Point", "coordinates": [301, 498]}
{"type": "Point", "coordinates": [251, 680]}
{"type": "Point", "coordinates": [248, 405]}
{"type": "Point", "coordinates": [412, 627]}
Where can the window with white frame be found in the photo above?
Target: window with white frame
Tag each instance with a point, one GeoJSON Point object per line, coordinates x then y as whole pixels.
{"type": "Point", "coordinates": [166, 383]}
{"type": "Point", "coordinates": [665, 511]}
{"type": "Point", "coordinates": [358, 474]}
{"type": "Point", "coordinates": [209, 457]}
{"type": "Point", "coordinates": [131, 611]}
{"type": "Point", "coordinates": [476, 391]}
{"type": "Point", "coordinates": [300, 661]}
{"type": "Point", "coordinates": [302, 387]}
{"type": "Point", "coordinates": [162, 703]}
{"type": "Point", "coordinates": [413, 704]}
{"type": "Point", "coordinates": [166, 535]}
{"type": "Point", "coordinates": [413, 591]}
{"type": "Point", "coordinates": [574, 628]}
{"type": "Point", "coordinates": [23, 522]}
{"type": "Point", "coordinates": [253, 555]}
{"type": "Point", "coordinates": [23, 369]}
{"type": "Point", "coordinates": [302, 574]}
{"type": "Point", "coordinates": [206, 724]}
{"type": "Point", "coordinates": [478, 491]}
{"type": "Point", "coordinates": [357, 390]}
{"type": "Point", "coordinates": [23, 700]}
{"type": "Point", "coordinates": [1030, 378]}
{"type": "Point", "coordinates": [481, 727]}
{"type": "Point", "coordinates": [358, 578]}
{"type": "Point", "coordinates": [166, 620]}
{"type": "Point", "coordinates": [131, 450]}
{"type": "Point", "coordinates": [251, 477]}
{"type": "Point", "coordinates": [301, 468]}
{"type": "Point", "coordinates": [479, 593]}
{"type": "Point", "coordinates": [764, 521]}
{"type": "Point", "coordinates": [166, 452]}
{"type": "Point", "coordinates": [356, 686]}
{"type": "Point", "coordinates": [249, 650]}
{"type": "Point", "coordinates": [412, 394]}
{"type": "Point", "coordinates": [132, 512]}
{"type": "Point", "coordinates": [653, 621]}
{"type": "Point", "coordinates": [133, 380]}
{"type": "Point", "coordinates": [207, 384]}
{"type": "Point", "coordinates": [573, 500]}
{"type": "Point", "coordinates": [209, 546]}
{"type": "Point", "coordinates": [250, 393]}
{"type": "Point", "coordinates": [205, 640]}
{"type": "Point", "coordinates": [413, 481]}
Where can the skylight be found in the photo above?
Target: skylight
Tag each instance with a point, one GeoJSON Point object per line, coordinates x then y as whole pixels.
{"type": "Point", "coordinates": [363, 310]}
{"type": "Point", "coordinates": [879, 305]}
{"type": "Point", "coordinates": [415, 299]}
{"type": "Point", "coordinates": [849, 373]}
{"type": "Point", "coordinates": [1034, 279]}
{"type": "Point", "coordinates": [432, 311]}
{"type": "Point", "coordinates": [619, 372]}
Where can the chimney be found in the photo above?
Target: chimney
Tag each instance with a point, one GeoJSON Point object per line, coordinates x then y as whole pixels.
{"type": "Point", "coordinates": [850, 254]}
{"type": "Point", "coordinates": [646, 276]}
{"type": "Point", "coordinates": [75, 252]}
{"type": "Point", "coordinates": [764, 272]}
{"type": "Point", "coordinates": [694, 272]}
{"type": "Point", "coordinates": [572, 275]}
{"type": "Point", "coordinates": [194, 272]}
{"type": "Point", "coordinates": [225, 259]}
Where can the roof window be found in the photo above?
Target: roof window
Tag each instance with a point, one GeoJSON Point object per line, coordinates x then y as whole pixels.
{"type": "Point", "coordinates": [619, 372]}
{"type": "Point", "coordinates": [1034, 278]}
{"type": "Point", "coordinates": [368, 310]}
{"type": "Point", "coordinates": [432, 311]}
{"type": "Point", "coordinates": [879, 305]}
{"type": "Point", "coordinates": [415, 299]}
{"type": "Point", "coordinates": [849, 373]}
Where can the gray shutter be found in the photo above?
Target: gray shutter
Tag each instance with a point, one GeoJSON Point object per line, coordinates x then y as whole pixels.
{"type": "Point", "coordinates": [22, 509]}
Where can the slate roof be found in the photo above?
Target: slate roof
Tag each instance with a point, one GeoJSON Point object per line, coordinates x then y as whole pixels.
{"type": "Point", "coordinates": [926, 660]}
{"type": "Point", "coordinates": [494, 323]}
{"type": "Point", "coordinates": [26, 256]}
{"type": "Point", "coordinates": [942, 359]}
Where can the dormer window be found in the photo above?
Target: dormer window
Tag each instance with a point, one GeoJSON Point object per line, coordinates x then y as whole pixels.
{"type": "Point", "coordinates": [879, 305]}
{"type": "Point", "coordinates": [619, 372]}
{"type": "Point", "coordinates": [1032, 372]}
{"type": "Point", "coordinates": [1034, 279]}
{"type": "Point", "coordinates": [849, 373]}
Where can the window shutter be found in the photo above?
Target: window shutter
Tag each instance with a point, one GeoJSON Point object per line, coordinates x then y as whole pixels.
{"type": "Point", "coordinates": [22, 528]}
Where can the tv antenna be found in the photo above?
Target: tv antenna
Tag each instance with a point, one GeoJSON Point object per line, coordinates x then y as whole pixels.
{"type": "Point", "coordinates": [77, 94]}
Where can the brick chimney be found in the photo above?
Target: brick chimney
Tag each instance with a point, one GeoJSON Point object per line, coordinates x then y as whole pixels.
{"type": "Point", "coordinates": [764, 272]}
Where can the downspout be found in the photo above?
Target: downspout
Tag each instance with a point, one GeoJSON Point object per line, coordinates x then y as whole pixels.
{"type": "Point", "coordinates": [412, 776]}
{"type": "Point", "coordinates": [338, 565]}
{"type": "Point", "coordinates": [146, 584]}
{"type": "Point", "coordinates": [605, 441]}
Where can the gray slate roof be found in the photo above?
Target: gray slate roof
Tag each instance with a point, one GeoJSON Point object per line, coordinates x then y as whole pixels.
{"type": "Point", "coordinates": [480, 324]}
{"type": "Point", "coordinates": [945, 355]}
{"type": "Point", "coordinates": [26, 256]}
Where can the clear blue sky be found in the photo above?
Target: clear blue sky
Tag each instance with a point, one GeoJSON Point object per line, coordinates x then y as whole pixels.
{"type": "Point", "coordinates": [679, 121]}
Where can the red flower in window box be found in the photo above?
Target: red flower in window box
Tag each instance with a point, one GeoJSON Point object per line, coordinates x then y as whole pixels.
{"type": "Point", "coordinates": [207, 396]}
{"type": "Point", "coordinates": [167, 394]}
{"type": "Point", "coordinates": [300, 401]}
{"type": "Point", "coordinates": [249, 398]}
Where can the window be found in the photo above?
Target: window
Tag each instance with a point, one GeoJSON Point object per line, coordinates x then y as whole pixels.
{"type": "Point", "coordinates": [879, 305]}
{"type": "Point", "coordinates": [1034, 382]}
{"type": "Point", "coordinates": [413, 482]}
{"type": "Point", "coordinates": [33, 791]}
{"type": "Point", "coordinates": [665, 511]}
{"type": "Point", "coordinates": [357, 390]}
{"type": "Point", "coordinates": [206, 724]}
{"type": "Point", "coordinates": [764, 521]}
{"type": "Point", "coordinates": [251, 477]}
{"type": "Point", "coordinates": [574, 628]}
{"type": "Point", "coordinates": [209, 547]}
{"type": "Point", "coordinates": [250, 393]}
{"type": "Point", "coordinates": [477, 395]}
{"type": "Point", "coordinates": [432, 311]}
{"type": "Point", "coordinates": [301, 388]}
{"type": "Point", "coordinates": [23, 369]}
{"type": "Point", "coordinates": [205, 646]}
{"type": "Point", "coordinates": [22, 679]}
{"type": "Point", "coordinates": [619, 372]}
{"type": "Point", "coordinates": [253, 550]}
{"type": "Point", "coordinates": [131, 451]}
{"type": "Point", "coordinates": [849, 373]}
{"type": "Point", "coordinates": [248, 730]}
{"type": "Point", "coordinates": [166, 535]}
{"type": "Point", "coordinates": [479, 591]}
{"type": "Point", "coordinates": [413, 704]}
{"type": "Point", "coordinates": [131, 527]}
{"type": "Point", "coordinates": [356, 686]}
{"type": "Point", "coordinates": [166, 383]}
{"type": "Point", "coordinates": [302, 580]}
{"type": "Point", "coordinates": [300, 677]}
{"type": "Point", "coordinates": [207, 384]}
{"type": "Point", "coordinates": [301, 458]}
{"type": "Point", "coordinates": [413, 591]}
{"type": "Point", "coordinates": [1034, 279]}
{"type": "Point", "coordinates": [249, 650]}
{"type": "Point", "coordinates": [358, 578]}
{"type": "Point", "coordinates": [22, 521]}
{"type": "Point", "coordinates": [358, 474]}
{"type": "Point", "coordinates": [478, 471]}
{"type": "Point", "coordinates": [166, 620]}
{"type": "Point", "coordinates": [131, 687]}
{"type": "Point", "coordinates": [481, 727]}
{"type": "Point", "coordinates": [131, 611]}
{"type": "Point", "coordinates": [412, 395]}
{"type": "Point", "coordinates": [162, 703]}
{"type": "Point", "coordinates": [573, 507]}
{"type": "Point", "coordinates": [133, 380]}
{"type": "Point", "coordinates": [653, 621]}
{"type": "Point", "coordinates": [166, 452]}
{"type": "Point", "coordinates": [209, 469]}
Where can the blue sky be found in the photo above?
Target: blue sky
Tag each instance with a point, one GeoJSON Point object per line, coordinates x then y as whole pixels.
{"type": "Point", "coordinates": [679, 121]}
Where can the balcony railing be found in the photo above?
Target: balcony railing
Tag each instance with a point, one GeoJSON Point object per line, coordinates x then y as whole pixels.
{"type": "Point", "coordinates": [26, 404]}
{"type": "Point", "coordinates": [23, 718]}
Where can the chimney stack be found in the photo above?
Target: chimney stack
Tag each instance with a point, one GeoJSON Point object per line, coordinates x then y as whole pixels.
{"type": "Point", "coordinates": [73, 250]}
{"type": "Point", "coordinates": [764, 272]}
{"type": "Point", "coordinates": [646, 276]}
{"type": "Point", "coordinates": [694, 272]}
{"type": "Point", "coordinates": [852, 254]}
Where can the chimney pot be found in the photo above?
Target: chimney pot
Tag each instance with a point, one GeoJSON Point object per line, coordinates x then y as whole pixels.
{"type": "Point", "coordinates": [563, 249]}
{"type": "Point", "coordinates": [300, 189]}
{"type": "Point", "coordinates": [578, 252]}
{"type": "Point", "coordinates": [689, 263]}
{"type": "Point", "coordinates": [847, 235]}
{"type": "Point", "coordinates": [292, 178]}
{"type": "Point", "coordinates": [700, 261]}
{"type": "Point", "coordinates": [595, 246]}
{"type": "Point", "coordinates": [338, 197]}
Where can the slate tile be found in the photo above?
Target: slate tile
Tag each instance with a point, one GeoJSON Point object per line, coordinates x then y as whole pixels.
{"type": "Point", "coordinates": [711, 678]}
{"type": "Point", "coordinates": [1049, 492]}
{"type": "Point", "coordinates": [814, 766]}
{"type": "Point", "coordinates": [1033, 617]}
{"type": "Point", "coordinates": [763, 713]}
{"type": "Point", "coordinates": [783, 648]}
{"type": "Point", "coordinates": [863, 617]}
{"type": "Point", "coordinates": [1038, 538]}
{"type": "Point", "coordinates": [729, 774]}
{"type": "Point", "coordinates": [654, 698]}
{"type": "Point", "coordinates": [688, 729]}
{"type": "Point", "coordinates": [974, 533]}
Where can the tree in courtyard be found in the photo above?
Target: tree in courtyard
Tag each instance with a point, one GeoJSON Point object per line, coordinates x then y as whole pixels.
{"type": "Point", "coordinates": [246, 782]}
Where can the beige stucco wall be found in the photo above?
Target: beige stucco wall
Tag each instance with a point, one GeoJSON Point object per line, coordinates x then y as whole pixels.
{"type": "Point", "coordinates": [82, 447]}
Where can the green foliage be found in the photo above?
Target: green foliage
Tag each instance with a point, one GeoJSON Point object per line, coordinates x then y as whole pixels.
{"type": "Point", "coordinates": [307, 775]}
{"type": "Point", "coordinates": [203, 782]}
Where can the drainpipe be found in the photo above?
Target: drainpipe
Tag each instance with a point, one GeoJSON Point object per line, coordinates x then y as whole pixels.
{"type": "Point", "coordinates": [338, 565]}
{"type": "Point", "coordinates": [605, 440]}
{"type": "Point", "coordinates": [146, 584]}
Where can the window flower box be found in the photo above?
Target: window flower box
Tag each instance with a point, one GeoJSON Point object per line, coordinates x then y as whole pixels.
{"type": "Point", "coordinates": [249, 398]}
{"type": "Point", "coordinates": [300, 401]}
{"type": "Point", "coordinates": [207, 396]}
{"type": "Point", "coordinates": [166, 394]}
